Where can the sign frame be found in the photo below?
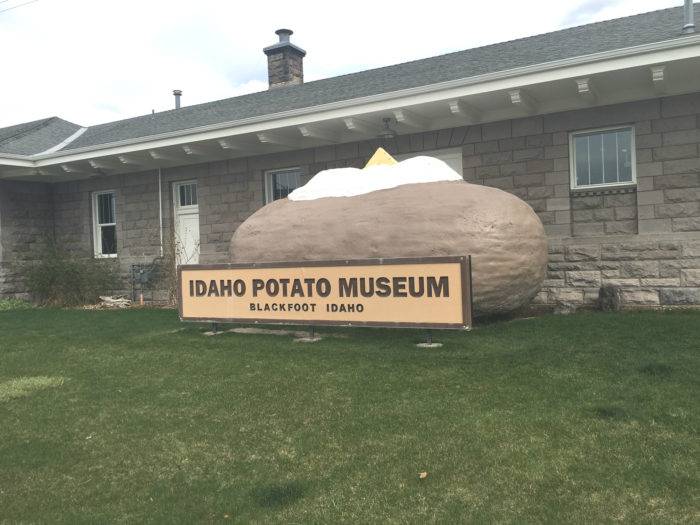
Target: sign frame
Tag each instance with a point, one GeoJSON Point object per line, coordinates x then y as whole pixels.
{"type": "Point", "coordinates": [466, 289]}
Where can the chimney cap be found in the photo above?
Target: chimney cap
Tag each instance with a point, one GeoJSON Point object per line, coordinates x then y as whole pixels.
{"type": "Point", "coordinates": [283, 43]}
{"type": "Point", "coordinates": [284, 34]}
{"type": "Point", "coordinates": [177, 92]}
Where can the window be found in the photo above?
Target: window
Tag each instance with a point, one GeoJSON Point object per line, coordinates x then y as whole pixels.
{"type": "Point", "coordinates": [602, 157]}
{"type": "Point", "coordinates": [280, 183]}
{"type": "Point", "coordinates": [187, 194]}
{"type": "Point", "coordinates": [104, 224]}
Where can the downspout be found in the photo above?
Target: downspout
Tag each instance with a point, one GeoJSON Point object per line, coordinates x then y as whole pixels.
{"type": "Point", "coordinates": [160, 211]}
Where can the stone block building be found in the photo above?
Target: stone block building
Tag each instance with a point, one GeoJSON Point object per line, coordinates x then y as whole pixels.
{"type": "Point", "coordinates": [599, 134]}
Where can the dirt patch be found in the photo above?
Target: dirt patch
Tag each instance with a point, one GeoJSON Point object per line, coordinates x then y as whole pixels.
{"type": "Point", "coordinates": [25, 386]}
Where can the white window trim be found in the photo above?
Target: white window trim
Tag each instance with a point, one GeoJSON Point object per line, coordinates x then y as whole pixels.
{"type": "Point", "coordinates": [268, 180]}
{"type": "Point", "coordinates": [442, 154]}
{"type": "Point", "coordinates": [572, 158]}
{"type": "Point", "coordinates": [176, 196]}
{"type": "Point", "coordinates": [96, 231]}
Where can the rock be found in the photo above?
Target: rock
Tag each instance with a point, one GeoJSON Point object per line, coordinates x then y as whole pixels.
{"type": "Point", "coordinates": [589, 278]}
{"type": "Point", "coordinates": [107, 302]}
{"type": "Point", "coordinates": [690, 277]}
{"type": "Point", "coordinates": [314, 339]}
{"type": "Point", "coordinates": [640, 297]}
{"type": "Point", "coordinates": [501, 232]}
{"type": "Point", "coordinates": [679, 296]}
{"type": "Point", "coordinates": [565, 308]}
{"type": "Point", "coordinates": [583, 253]}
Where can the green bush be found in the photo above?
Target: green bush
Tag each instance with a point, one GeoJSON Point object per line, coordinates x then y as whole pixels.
{"type": "Point", "coordinates": [58, 278]}
{"type": "Point", "coordinates": [14, 304]}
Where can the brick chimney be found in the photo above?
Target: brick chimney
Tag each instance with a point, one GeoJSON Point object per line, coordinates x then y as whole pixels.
{"type": "Point", "coordinates": [285, 61]}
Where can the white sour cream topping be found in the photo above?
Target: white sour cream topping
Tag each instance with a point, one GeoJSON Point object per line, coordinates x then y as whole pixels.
{"type": "Point", "coordinates": [348, 182]}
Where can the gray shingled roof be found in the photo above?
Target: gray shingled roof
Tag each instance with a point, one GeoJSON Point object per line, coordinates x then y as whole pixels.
{"type": "Point", "coordinates": [614, 34]}
{"type": "Point", "coordinates": [37, 136]}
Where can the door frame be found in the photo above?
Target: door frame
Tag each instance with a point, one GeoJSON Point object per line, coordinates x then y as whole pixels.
{"type": "Point", "coordinates": [183, 210]}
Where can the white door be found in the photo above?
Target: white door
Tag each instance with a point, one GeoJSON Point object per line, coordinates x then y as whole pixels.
{"type": "Point", "coordinates": [186, 222]}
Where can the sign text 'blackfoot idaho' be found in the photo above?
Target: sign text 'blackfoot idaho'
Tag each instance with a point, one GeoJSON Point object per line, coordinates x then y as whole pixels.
{"type": "Point", "coordinates": [429, 292]}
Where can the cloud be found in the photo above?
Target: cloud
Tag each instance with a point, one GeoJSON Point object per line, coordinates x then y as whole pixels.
{"type": "Point", "coordinates": [91, 62]}
{"type": "Point", "coordinates": [587, 10]}
{"type": "Point", "coordinates": [596, 10]}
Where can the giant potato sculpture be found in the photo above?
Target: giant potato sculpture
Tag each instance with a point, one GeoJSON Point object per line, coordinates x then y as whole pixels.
{"type": "Point", "coordinates": [416, 208]}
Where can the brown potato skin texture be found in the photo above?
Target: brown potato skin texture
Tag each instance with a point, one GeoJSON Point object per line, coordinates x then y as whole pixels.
{"type": "Point", "coordinates": [501, 232]}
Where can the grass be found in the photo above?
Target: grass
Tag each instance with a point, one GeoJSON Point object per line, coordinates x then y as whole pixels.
{"type": "Point", "coordinates": [131, 416]}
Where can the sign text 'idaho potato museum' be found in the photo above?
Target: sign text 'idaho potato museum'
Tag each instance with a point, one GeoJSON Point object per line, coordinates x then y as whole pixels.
{"type": "Point", "coordinates": [431, 292]}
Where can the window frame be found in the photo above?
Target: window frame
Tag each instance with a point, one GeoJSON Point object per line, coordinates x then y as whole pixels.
{"type": "Point", "coordinates": [176, 195]}
{"type": "Point", "coordinates": [269, 190]}
{"type": "Point", "coordinates": [97, 226]}
{"type": "Point", "coordinates": [572, 158]}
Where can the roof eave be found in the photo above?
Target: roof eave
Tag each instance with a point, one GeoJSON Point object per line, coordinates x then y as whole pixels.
{"type": "Point", "coordinates": [22, 161]}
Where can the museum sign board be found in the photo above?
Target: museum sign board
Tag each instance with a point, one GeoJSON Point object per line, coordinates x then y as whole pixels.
{"type": "Point", "coordinates": [429, 292]}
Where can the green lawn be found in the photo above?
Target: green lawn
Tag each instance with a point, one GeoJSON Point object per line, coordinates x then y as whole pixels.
{"type": "Point", "coordinates": [131, 416]}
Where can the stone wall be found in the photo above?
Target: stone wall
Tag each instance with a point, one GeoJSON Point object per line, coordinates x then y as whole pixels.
{"type": "Point", "coordinates": [136, 214]}
{"type": "Point", "coordinates": [650, 271]}
{"type": "Point", "coordinates": [669, 178]}
{"type": "Point", "coordinates": [642, 238]}
{"type": "Point", "coordinates": [26, 225]}
{"type": "Point", "coordinates": [228, 193]}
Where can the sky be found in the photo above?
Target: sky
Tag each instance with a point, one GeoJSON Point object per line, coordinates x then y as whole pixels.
{"type": "Point", "coordinates": [95, 61]}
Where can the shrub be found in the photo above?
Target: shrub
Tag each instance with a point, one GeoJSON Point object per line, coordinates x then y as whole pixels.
{"type": "Point", "coordinates": [165, 273]}
{"type": "Point", "coordinates": [14, 304]}
{"type": "Point", "coordinates": [59, 278]}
